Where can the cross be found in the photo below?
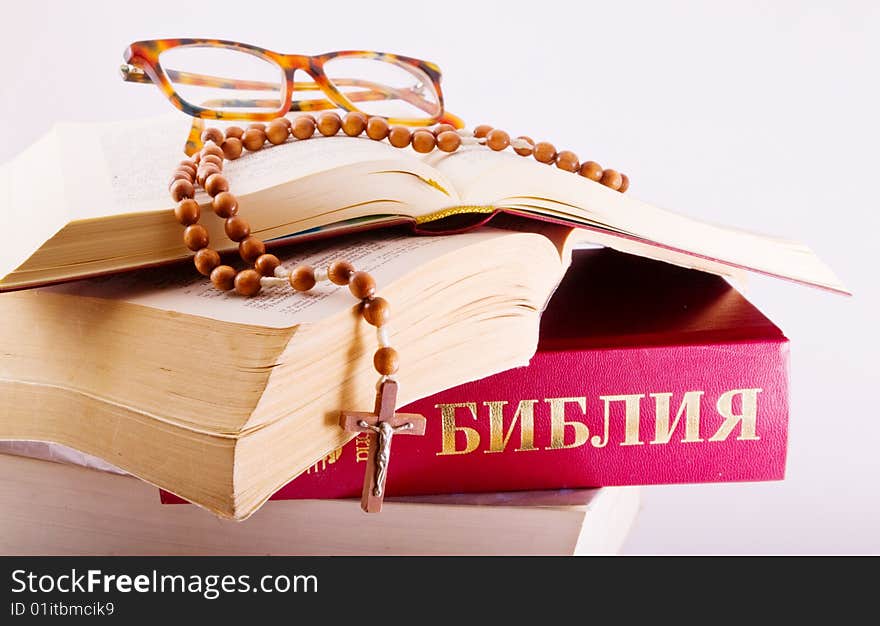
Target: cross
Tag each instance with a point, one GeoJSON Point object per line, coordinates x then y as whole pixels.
{"type": "Point", "coordinates": [382, 424]}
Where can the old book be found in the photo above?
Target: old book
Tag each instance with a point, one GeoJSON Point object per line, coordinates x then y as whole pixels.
{"type": "Point", "coordinates": [98, 214]}
{"type": "Point", "coordinates": [645, 373]}
{"type": "Point", "coordinates": [48, 508]}
{"type": "Point", "coordinates": [223, 400]}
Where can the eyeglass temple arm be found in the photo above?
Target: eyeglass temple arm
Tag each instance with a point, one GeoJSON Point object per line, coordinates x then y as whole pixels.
{"type": "Point", "coordinates": [133, 74]}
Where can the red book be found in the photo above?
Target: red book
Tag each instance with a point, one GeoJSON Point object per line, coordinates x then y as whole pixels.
{"type": "Point", "coordinates": [645, 373]}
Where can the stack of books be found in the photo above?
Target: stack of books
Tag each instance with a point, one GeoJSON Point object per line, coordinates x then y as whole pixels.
{"type": "Point", "coordinates": [544, 413]}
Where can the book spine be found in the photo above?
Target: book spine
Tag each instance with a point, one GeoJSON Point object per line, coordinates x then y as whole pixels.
{"type": "Point", "coordinates": [601, 417]}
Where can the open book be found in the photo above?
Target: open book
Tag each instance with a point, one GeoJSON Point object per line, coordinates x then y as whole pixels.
{"type": "Point", "coordinates": [106, 208]}
{"type": "Point", "coordinates": [222, 399]}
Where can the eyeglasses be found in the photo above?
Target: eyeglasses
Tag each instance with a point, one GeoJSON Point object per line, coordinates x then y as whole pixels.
{"type": "Point", "coordinates": [226, 80]}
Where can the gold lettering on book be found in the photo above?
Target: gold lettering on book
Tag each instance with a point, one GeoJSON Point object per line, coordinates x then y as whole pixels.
{"type": "Point", "coordinates": [450, 429]}
{"type": "Point", "coordinates": [690, 407]}
{"type": "Point", "coordinates": [632, 416]}
{"type": "Point", "coordinates": [558, 423]}
{"type": "Point", "coordinates": [524, 414]}
{"type": "Point", "coordinates": [747, 417]}
{"type": "Point", "coordinates": [736, 408]}
{"type": "Point", "coordinates": [362, 448]}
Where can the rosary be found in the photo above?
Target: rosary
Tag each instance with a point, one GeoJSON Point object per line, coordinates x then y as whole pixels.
{"type": "Point", "coordinates": [205, 169]}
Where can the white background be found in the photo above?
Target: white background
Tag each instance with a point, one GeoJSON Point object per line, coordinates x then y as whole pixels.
{"type": "Point", "coordinates": [762, 115]}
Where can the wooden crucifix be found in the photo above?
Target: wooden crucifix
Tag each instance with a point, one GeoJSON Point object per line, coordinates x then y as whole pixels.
{"type": "Point", "coordinates": [381, 425]}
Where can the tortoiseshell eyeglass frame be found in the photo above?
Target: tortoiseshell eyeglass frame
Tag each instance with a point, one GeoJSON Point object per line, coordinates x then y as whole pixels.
{"type": "Point", "coordinates": [142, 66]}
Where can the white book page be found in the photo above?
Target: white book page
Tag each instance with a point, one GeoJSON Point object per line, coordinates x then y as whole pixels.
{"type": "Point", "coordinates": [124, 167]}
{"type": "Point", "coordinates": [387, 256]}
{"type": "Point", "coordinates": [506, 180]}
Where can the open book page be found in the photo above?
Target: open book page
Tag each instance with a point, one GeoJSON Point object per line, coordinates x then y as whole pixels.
{"type": "Point", "coordinates": [126, 165]}
{"type": "Point", "coordinates": [299, 159]}
{"type": "Point", "coordinates": [386, 255]}
{"type": "Point", "coordinates": [31, 203]}
{"type": "Point", "coordinates": [508, 181]}
{"type": "Point", "coordinates": [120, 167]}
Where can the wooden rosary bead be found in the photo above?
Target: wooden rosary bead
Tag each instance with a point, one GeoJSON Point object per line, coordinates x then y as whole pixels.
{"type": "Point", "coordinates": [482, 130]}
{"type": "Point", "coordinates": [302, 278]}
{"type": "Point", "coordinates": [189, 166]}
{"type": "Point", "coordinates": [362, 285]}
{"type": "Point", "coordinates": [591, 170]}
{"type": "Point", "coordinates": [266, 264]}
{"type": "Point", "coordinates": [212, 134]}
{"type": "Point", "coordinates": [376, 311]}
{"type": "Point", "coordinates": [448, 141]}
{"type": "Point", "coordinates": [286, 121]}
{"type": "Point", "coordinates": [206, 172]}
{"type": "Point", "coordinates": [213, 159]}
{"type": "Point", "coordinates": [399, 136]}
{"type": "Point", "coordinates": [237, 228]}
{"type": "Point", "coordinates": [329, 123]}
{"type": "Point", "coordinates": [568, 161]}
{"type": "Point", "coordinates": [257, 126]}
{"type": "Point", "coordinates": [340, 272]}
{"type": "Point", "coordinates": [253, 139]}
{"type": "Point", "coordinates": [216, 183]}
{"type": "Point", "coordinates": [181, 174]}
{"type": "Point", "coordinates": [206, 260]}
{"type": "Point", "coordinates": [211, 148]}
{"type": "Point", "coordinates": [439, 129]}
{"type": "Point", "coordinates": [251, 249]}
{"type": "Point", "coordinates": [423, 141]}
{"type": "Point", "coordinates": [224, 204]}
{"type": "Point", "coordinates": [203, 164]}
{"type": "Point", "coordinates": [624, 183]}
{"type": "Point", "coordinates": [377, 128]}
{"type": "Point", "coordinates": [187, 212]}
{"type": "Point", "coordinates": [386, 361]}
{"type": "Point", "coordinates": [303, 127]}
{"type": "Point", "coordinates": [276, 132]}
{"type": "Point", "coordinates": [234, 132]}
{"type": "Point", "coordinates": [497, 139]}
{"type": "Point", "coordinates": [232, 148]}
{"type": "Point", "coordinates": [247, 283]}
{"type": "Point", "coordinates": [354, 123]}
{"type": "Point", "coordinates": [195, 236]}
{"type": "Point", "coordinates": [612, 179]}
{"type": "Point", "coordinates": [182, 189]}
{"type": "Point", "coordinates": [525, 151]}
{"type": "Point", "coordinates": [545, 152]}
{"type": "Point", "coordinates": [223, 277]}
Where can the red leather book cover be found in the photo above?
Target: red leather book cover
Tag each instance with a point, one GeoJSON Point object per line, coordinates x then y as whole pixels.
{"type": "Point", "coordinates": [645, 373]}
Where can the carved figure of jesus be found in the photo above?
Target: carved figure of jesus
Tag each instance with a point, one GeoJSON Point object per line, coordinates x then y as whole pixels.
{"type": "Point", "coordinates": [384, 432]}
{"type": "Point", "coordinates": [385, 423]}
